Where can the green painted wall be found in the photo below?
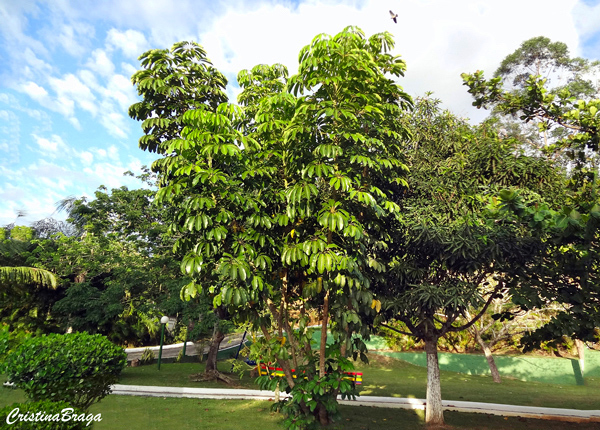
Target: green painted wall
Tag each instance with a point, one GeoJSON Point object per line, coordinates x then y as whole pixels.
{"type": "Point", "coordinates": [526, 368]}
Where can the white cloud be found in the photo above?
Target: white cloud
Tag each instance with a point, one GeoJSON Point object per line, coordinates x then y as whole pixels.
{"type": "Point", "coordinates": [40, 66]}
{"type": "Point", "coordinates": [587, 16]}
{"type": "Point", "coordinates": [128, 69]}
{"type": "Point", "coordinates": [100, 63]}
{"type": "Point", "coordinates": [87, 157]}
{"type": "Point", "coordinates": [108, 174]}
{"type": "Point", "coordinates": [89, 79]}
{"type": "Point", "coordinates": [34, 91]}
{"type": "Point", "coordinates": [115, 123]}
{"type": "Point", "coordinates": [160, 20]}
{"type": "Point", "coordinates": [101, 152]}
{"type": "Point", "coordinates": [20, 45]}
{"type": "Point", "coordinates": [52, 145]}
{"type": "Point", "coordinates": [131, 42]}
{"type": "Point", "coordinates": [438, 39]}
{"type": "Point", "coordinates": [121, 90]}
{"type": "Point", "coordinates": [72, 37]}
{"type": "Point", "coordinates": [10, 137]}
{"type": "Point", "coordinates": [113, 153]}
{"type": "Point", "coordinates": [70, 91]}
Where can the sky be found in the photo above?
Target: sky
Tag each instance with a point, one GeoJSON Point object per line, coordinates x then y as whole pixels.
{"type": "Point", "coordinates": [65, 69]}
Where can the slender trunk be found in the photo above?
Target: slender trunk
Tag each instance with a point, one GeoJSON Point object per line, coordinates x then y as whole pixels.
{"type": "Point", "coordinates": [321, 412]}
{"type": "Point", "coordinates": [581, 354]}
{"type": "Point", "coordinates": [348, 341]}
{"type": "Point", "coordinates": [489, 357]}
{"type": "Point", "coordinates": [492, 363]}
{"type": "Point", "coordinates": [215, 343]}
{"type": "Point", "coordinates": [434, 413]}
{"type": "Point", "coordinates": [322, 415]}
{"type": "Point", "coordinates": [323, 345]}
{"type": "Point", "coordinates": [282, 363]}
{"type": "Point", "coordinates": [211, 360]}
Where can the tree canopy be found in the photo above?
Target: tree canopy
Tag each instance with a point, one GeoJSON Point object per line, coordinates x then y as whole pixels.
{"type": "Point", "coordinates": [446, 257]}
{"type": "Point", "coordinates": [568, 271]}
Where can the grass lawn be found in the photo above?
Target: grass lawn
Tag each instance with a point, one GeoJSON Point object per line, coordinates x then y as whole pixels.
{"type": "Point", "coordinates": [155, 413]}
{"type": "Point", "coordinates": [382, 377]}
{"type": "Point", "coordinates": [395, 378]}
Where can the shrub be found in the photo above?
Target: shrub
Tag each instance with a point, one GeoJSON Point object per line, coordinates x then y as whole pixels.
{"type": "Point", "coordinates": [50, 417]}
{"type": "Point", "coordinates": [77, 367]}
{"type": "Point", "coordinates": [147, 357]}
{"type": "Point", "coordinates": [9, 340]}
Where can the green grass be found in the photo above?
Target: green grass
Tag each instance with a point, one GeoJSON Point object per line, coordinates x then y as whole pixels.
{"type": "Point", "coordinates": [382, 377]}
{"type": "Point", "coordinates": [177, 375]}
{"type": "Point", "coordinates": [193, 414]}
{"type": "Point", "coordinates": [156, 413]}
{"type": "Point", "coordinates": [395, 378]}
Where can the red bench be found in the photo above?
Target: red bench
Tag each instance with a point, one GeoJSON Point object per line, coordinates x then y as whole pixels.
{"type": "Point", "coordinates": [272, 371]}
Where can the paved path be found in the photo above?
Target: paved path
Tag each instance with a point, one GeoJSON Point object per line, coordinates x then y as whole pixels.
{"type": "Point", "coordinates": [573, 415]}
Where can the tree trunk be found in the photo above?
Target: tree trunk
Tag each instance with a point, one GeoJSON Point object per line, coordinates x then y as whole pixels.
{"type": "Point", "coordinates": [211, 360]}
{"type": "Point", "coordinates": [215, 343]}
{"type": "Point", "coordinates": [434, 413]}
{"type": "Point", "coordinates": [323, 344]}
{"type": "Point", "coordinates": [322, 415]}
{"type": "Point", "coordinates": [492, 363]}
{"type": "Point", "coordinates": [489, 357]}
{"type": "Point", "coordinates": [581, 354]}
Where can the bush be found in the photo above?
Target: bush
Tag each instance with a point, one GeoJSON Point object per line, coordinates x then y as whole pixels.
{"type": "Point", "coordinates": [50, 417]}
{"type": "Point", "coordinates": [147, 357]}
{"type": "Point", "coordinates": [9, 340]}
{"type": "Point", "coordinates": [77, 367]}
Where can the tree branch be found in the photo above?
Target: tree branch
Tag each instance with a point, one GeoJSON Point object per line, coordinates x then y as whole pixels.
{"type": "Point", "coordinates": [483, 310]}
{"type": "Point", "coordinates": [396, 330]}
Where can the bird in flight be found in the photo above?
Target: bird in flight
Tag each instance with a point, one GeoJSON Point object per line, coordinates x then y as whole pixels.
{"type": "Point", "coordinates": [394, 16]}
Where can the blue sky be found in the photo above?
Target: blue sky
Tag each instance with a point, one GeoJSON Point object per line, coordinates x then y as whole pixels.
{"type": "Point", "coordinates": [66, 65]}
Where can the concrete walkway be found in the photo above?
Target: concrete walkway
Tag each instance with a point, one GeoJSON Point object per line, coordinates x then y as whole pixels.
{"type": "Point", "coordinates": [572, 415]}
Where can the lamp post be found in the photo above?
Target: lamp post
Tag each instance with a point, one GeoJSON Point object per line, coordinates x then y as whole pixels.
{"type": "Point", "coordinates": [163, 321]}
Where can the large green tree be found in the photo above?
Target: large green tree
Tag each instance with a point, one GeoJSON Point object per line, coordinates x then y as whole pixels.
{"type": "Point", "coordinates": [539, 56]}
{"type": "Point", "coordinates": [119, 272]}
{"type": "Point", "coordinates": [170, 83]}
{"type": "Point", "coordinates": [568, 271]}
{"type": "Point", "coordinates": [281, 205]}
{"type": "Point", "coordinates": [447, 257]}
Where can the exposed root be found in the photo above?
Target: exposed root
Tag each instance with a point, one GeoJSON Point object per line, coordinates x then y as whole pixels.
{"type": "Point", "coordinates": [211, 375]}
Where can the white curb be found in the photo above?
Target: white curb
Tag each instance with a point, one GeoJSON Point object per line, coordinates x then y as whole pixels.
{"type": "Point", "coordinates": [574, 415]}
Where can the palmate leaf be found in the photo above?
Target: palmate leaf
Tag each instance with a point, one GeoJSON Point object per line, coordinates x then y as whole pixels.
{"type": "Point", "coordinates": [26, 275]}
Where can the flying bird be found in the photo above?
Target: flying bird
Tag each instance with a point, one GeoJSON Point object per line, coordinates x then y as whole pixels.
{"type": "Point", "coordinates": [394, 16]}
